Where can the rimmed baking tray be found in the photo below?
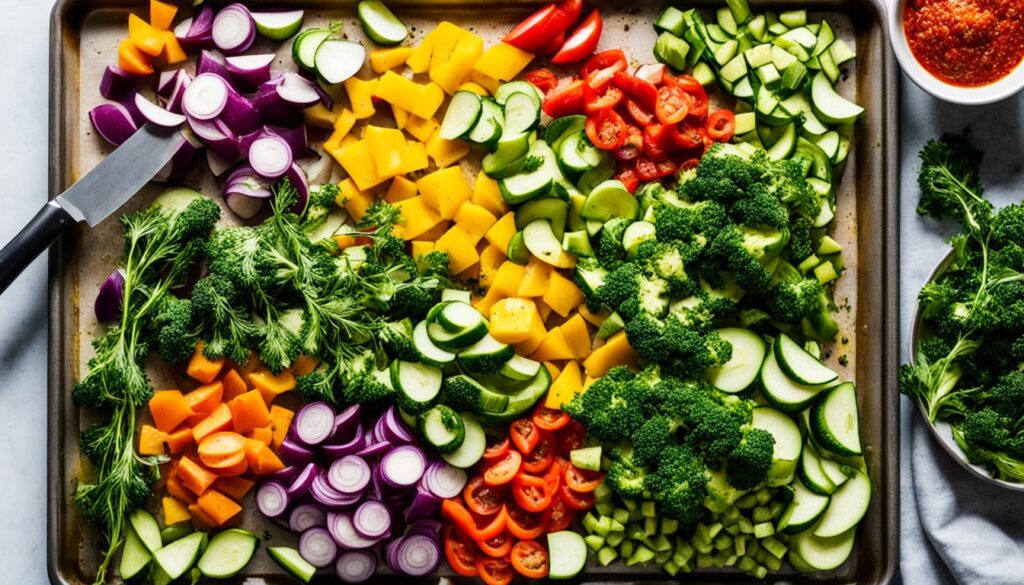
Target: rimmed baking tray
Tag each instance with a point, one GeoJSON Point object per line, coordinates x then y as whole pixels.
{"type": "Point", "coordinates": [84, 36]}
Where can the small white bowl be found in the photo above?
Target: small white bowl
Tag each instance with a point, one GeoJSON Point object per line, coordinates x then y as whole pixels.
{"type": "Point", "coordinates": [970, 96]}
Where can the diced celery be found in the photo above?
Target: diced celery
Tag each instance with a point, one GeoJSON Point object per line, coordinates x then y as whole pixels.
{"type": "Point", "coordinates": [603, 494]}
{"type": "Point", "coordinates": [650, 526]}
{"type": "Point", "coordinates": [635, 515]}
{"type": "Point", "coordinates": [733, 529]}
{"type": "Point", "coordinates": [746, 526]}
{"type": "Point", "coordinates": [604, 526]}
{"type": "Point", "coordinates": [594, 542]}
{"type": "Point", "coordinates": [642, 554]}
{"type": "Point", "coordinates": [626, 549]}
{"type": "Point", "coordinates": [636, 532]}
{"type": "Point", "coordinates": [605, 508]}
{"type": "Point", "coordinates": [772, 563]}
{"type": "Point", "coordinates": [662, 543]}
{"type": "Point", "coordinates": [617, 526]}
{"type": "Point", "coordinates": [630, 504]}
{"type": "Point", "coordinates": [671, 568]}
{"type": "Point", "coordinates": [669, 526]}
{"type": "Point", "coordinates": [660, 558]}
{"type": "Point", "coordinates": [774, 546]}
{"type": "Point", "coordinates": [761, 514]}
{"type": "Point", "coordinates": [746, 502]}
{"type": "Point", "coordinates": [764, 529]}
{"type": "Point", "coordinates": [590, 522]}
{"type": "Point", "coordinates": [647, 509]}
{"type": "Point", "coordinates": [704, 560]}
{"type": "Point", "coordinates": [825, 272]}
{"type": "Point", "coordinates": [615, 538]}
{"type": "Point", "coordinates": [723, 541]}
{"type": "Point", "coordinates": [620, 515]}
{"type": "Point", "coordinates": [714, 529]}
{"type": "Point", "coordinates": [718, 560]}
{"type": "Point", "coordinates": [763, 496]}
{"type": "Point", "coordinates": [828, 246]}
{"type": "Point", "coordinates": [684, 551]}
{"type": "Point", "coordinates": [746, 564]}
{"type": "Point", "coordinates": [740, 543]}
{"type": "Point", "coordinates": [808, 263]}
{"type": "Point", "coordinates": [606, 555]}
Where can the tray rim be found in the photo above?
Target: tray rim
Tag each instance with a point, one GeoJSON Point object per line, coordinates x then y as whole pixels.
{"type": "Point", "coordinates": [889, 455]}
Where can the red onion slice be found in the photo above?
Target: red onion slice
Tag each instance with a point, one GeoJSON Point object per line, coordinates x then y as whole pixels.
{"type": "Point", "coordinates": [297, 90]}
{"type": "Point", "coordinates": [271, 157]}
{"type": "Point", "coordinates": [444, 480]}
{"type": "Point", "coordinates": [355, 566]}
{"type": "Point", "coordinates": [196, 32]}
{"type": "Point", "coordinates": [272, 499]}
{"type": "Point", "coordinates": [417, 555]}
{"type": "Point", "coordinates": [249, 71]}
{"type": "Point", "coordinates": [177, 92]}
{"type": "Point", "coordinates": [352, 447]}
{"type": "Point", "coordinates": [302, 483]}
{"type": "Point", "coordinates": [113, 122]}
{"type": "Point", "coordinates": [286, 476]}
{"type": "Point", "coordinates": [306, 516]}
{"type": "Point", "coordinates": [157, 115]}
{"type": "Point", "coordinates": [395, 428]}
{"type": "Point", "coordinates": [206, 97]}
{"type": "Point", "coordinates": [116, 83]}
{"type": "Point", "coordinates": [349, 475]}
{"type": "Point", "coordinates": [378, 448]}
{"type": "Point", "coordinates": [180, 162]}
{"type": "Point", "coordinates": [424, 504]}
{"type": "Point", "coordinates": [346, 423]}
{"type": "Point", "coordinates": [372, 519]}
{"type": "Point", "coordinates": [315, 421]}
{"type": "Point", "coordinates": [218, 166]}
{"type": "Point", "coordinates": [212, 62]}
{"type": "Point", "coordinates": [293, 453]}
{"type": "Point", "coordinates": [403, 466]}
{"type": "Point", "coordinates": [331, 498]}
{"type": "Point", "coordinates": [344, 532]}
{"type": "Point", "coordinates": [110, 299]}
{"type": "Point", "coordinates": [317, 546]}
{"type": "Point", "coordinates": [233, 29]}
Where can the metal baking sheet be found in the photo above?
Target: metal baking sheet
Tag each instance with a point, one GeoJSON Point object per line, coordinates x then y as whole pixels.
{"type": "Point", "coordinates": [84, 37]}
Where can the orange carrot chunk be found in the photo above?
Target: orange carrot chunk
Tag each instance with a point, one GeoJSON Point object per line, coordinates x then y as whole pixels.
{"type": "Point", "coordinates": [233, 470]}
{"type": "Point", "coordinates": [217, 421]}
{"type": "Point", "coordinates": [218, 506]}
{"type": "Point", "coordinates": [151, 441]}
{"type": "Point", "coordinates": [132, 60]}
{"type": "Point", "coordinates": [203, 368]}
{"type": "Point", "coordinates": [280, 421]}
{"type": "Point", "coordinates": [263, 434]}
{"type": "Point", "coordinates": [169, 409]}
{"type": "Point", "coordinates": [175, 488]}
{"type": "Point", "coordinates": [205, 398]}
{"type": "Point", "coordinates": [173, 53]}
{"type": "Point", "coordinates": [234, 487]}
{"type": "Point", "coordinates": [271, 386]}
{"type": "Point", "coordinates": [249, 412]}
{"type": "Point", "coordinates": [179, 439]}
{"type": "Point", "coordinates": [234, 385]}
{"type": "Point", "coordinates": [161, 14]}
{"type": "Point", "coordinates": [200, 519]}
{"type": "Point", "coordinates": [262, 460]}
{"type": "Point", "coordinates": [145, 37]}
{"type": "Point", "coordinates": [221, 450]}
{"type": "Point", "coordinates": [194, 476]}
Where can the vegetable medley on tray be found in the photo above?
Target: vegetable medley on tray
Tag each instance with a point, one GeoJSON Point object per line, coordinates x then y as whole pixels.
{"type": "Point", "coordinates": [560, 310]}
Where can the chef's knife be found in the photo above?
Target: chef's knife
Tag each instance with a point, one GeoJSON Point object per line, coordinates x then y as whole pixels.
{"type": "Point", "coordinates": [98, 194]}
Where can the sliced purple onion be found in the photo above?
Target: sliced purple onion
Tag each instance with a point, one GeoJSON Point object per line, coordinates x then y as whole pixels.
{"type": "Point", "coordinates": [116, 83]}
{"type": "Point", "coordinates": [212, 62]}
{"type": "Point", "coordinates": [296, 137]}
{"type": "Point", "coordinates": [244, 181]}
{"type": "Point", "coordinates": [157, 115]}
{"type": "Point", "coordinates": [165, 82]}
{"type": "Point", "coordinates": [424, 505]}
{"type": "Point", "coordinates": [403, 466]}
{"type": "Point", "coordinates": [110, 299]}
{"type": "Point", "coordinates": [379, 489]}
{"type": "Point", "coordinates": [177, 92]}
{"type": "Point", "coordinates": [272, 499]}
{"type": "Point", "coordinates": [331, 498]}
{"type": "Point", "coordinates": [249, 71]}
{"type": "Point", "coordinates": [271, 157]}
{"type": "Point", "coordinates": [429, 527]}
{"type": "Point", "coordinates": [314, 422]}
{"type": "Point", "coordinates": [395, 428]}
{"type": "Point", "coordinates": [372, 519]}
{"type": "Point", "coordinates": [353, 446]}
{"type": "Point", "coordinates": [443, 480]}
{"type": "Point", "coordinates": [378, 448]}
{"type": "Point", "coordinates": [346, 423]}
{"type": "Point", "coordinates": [113, 122]}
{"type": "Point", "coordinates": [317, 546]}
{"type": "Point", "coordinates": [355, 566]}
{"type": "Point", "coordinates": [349, 475]}
{"type": "Point", "coordinates": [242, 205]}
{"type": "Point", "coordinates": [239, 114]}
{"type": "Point", "coordinates": [217, 137]}
{"type": "Point", "coordinates": [417, 555]}
{"type": "Point", "coordinates": [344, 532]}
{"type": "Point", "coordinates": [390, 554]}
{"type": "Point", "coordinates": [306, 516]}
{"type": "Point", "coordinates": [294, 454]}
{"type": "Point", "coordinates": [297, 90]}
{"type": "Point", "coordinates": [206, 97]}
{"type": "Point", "coordinates": [302, 483]}
{"type": "Point", "coordinates": [179, 164]}
{"type": "Point", "coordinates": [233, 29]}
{"type": "Point", "coordinates": [196, 32]}
{"type": "Point", "coordinates": [286, 476]}
{"type": "Point", "coordinates": [133, 110]}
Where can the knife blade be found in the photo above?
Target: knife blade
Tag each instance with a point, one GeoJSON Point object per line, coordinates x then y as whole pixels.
{"type": "Point", "coordinates": [94, 197]}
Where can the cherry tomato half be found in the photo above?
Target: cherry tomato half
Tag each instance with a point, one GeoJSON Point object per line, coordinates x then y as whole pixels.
{"type": "Point", "coordinates": [525, 435]}
{"type": "Point", "coordinates": [657, 143]}
{"type": "Point", "coordinates": [688, 135]}
{"type": "Point", "coordinates": [495, 451]}
{"type": "Point", "coordinates": [581, 480]}
{"type": "Point", "coordinates": [641, 91]}
{"type": "Point", "coordinates": [526, 525]}
{"type": "Point", "coordinates": [630, 147]}
{"type": "Point", "coordinates": [559, 516]}
{"type": "Point", "coordinates": [699, 106]}
{"type": "Point", "coordinates": [539, 460]}
{"type": "Point", "coordinates": [606, 129]}
{"type": "Point", "coordinates": [476, 528]}
{"type": "Point", "coordinates": [649, 169]}
{"type": "Point", "coordinates": [565, 99]}
{"type": "Point", "coordinates": [721, 126]}
{"type": "Point", "coordinates": [599, 69]}
{"type": "Point", "coordinates": [673, 104]}
{"type": "Point", "coordinates": [597, 100]}
{"type": "Point", "coordinates": [575, 500]}
{"type": "Point", "coordinates": [582, 41]}
{"type": "Point", "coordinates": [642, 116]}
{"type": "Point", "coordinates": [549, 419]}
{"type": "Point", "coordinates": [531, 492]}
{"type": "Point", "coordinates": [543, 25]}
{"type": "Point", "coordinates": [498, 546]}
{"type": "Point", "coordinates": [503, 470]}
{"type": "Point", "coordinates": [481, 498]}
{"type": "Point", "coordinates": [459, 553]}
{"type": "Point", "coordinates": [530, 560]}
{"type": "Point", "coordinates": [553, 476]}
{"type": "Point", "coordinates": [625, 172]}
{"type": "Point", "coordinates": [542, 79]}
{"type": "Point", "coordinates": [494, 571]}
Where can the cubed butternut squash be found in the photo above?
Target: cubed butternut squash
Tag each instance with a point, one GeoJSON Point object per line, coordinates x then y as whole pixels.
{"type": "Point", "coordinates": [474, 220]}
{"type": "Point", "coordinates": [537, 335]}
{"type": "Point", "coordinates": [568, 383]}
{"type": "Point", "coordinates": [421, 128]}
{"type": "Point", "coordinates": [615, 352]}
{"type": "Point", "coordinates": [461, 250]}
{"type": "Point", "coordinates": [490, 259]}
{"type": "Point", "coordinates": [445, 190]}
{"type": "Point", "coordinates": [486, 194]}
{"type": "Point", "coordinates": [502, 231]}
{"type": "Point", "coordinates": [151, 440]}
{"type": "Point", "coordinates": [554, 347]}
{"type": "Point", "coordinates": [175, 511]}
{"type": "Point", "coordinates": [512, 319]}
{"type": "Point", "coordinates": [535, 278]}
{"type": "Point", "coordinates": [360, 96]}
{"type": "Point", "coordinates": [382, 60]}
{"type": "Point", "coordinates": [418, 217]}
{"type": "Point", "coordinates": [355, 200]}
{"type": "Point", "coordinates": [400, 189]}
{"type": "Point", "coordinates": [445, 152]}
{"type": "Point", "coordinates": [562, 295]}
{"type": "Point", "coordinates": [203, 368]}
{"type": "Point", "coordinates": [502, 62]}
{"type": "Point", "coordinates": [577, 336]}
{"type": "Point", "coordinates": [169, 409]}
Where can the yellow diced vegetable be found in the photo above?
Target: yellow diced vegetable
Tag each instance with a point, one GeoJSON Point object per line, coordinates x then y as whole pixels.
{"type": "Point", "coordinates": [386, 147]}
{"type": "Point", "coordinates": [383, 59]}
{"type": "Point", "coordinates": [490, 259]}
{"type": "Point", "coordinates": [420, 248]}
{"type": "Point", "coordinates": [445, 190]}
{"type": "Point", "coordinates": [474, 88]}
{"type": "Point", "coordinates": [485, 303]}
{"type": "Point", "coordinates": [401, 117]}
{"type": "Point", "coordinates": [419, 59]}
{"type": "Point", "coordinates": [536, 279]}
{"type": "Point", "coordinates": [175, 511]}
{"type": "Point", "coordinates": [461, 251]}
{"type": "Point", "coordinates": [501, 232]}
{"type": "Point", "coordinates": [594, 319]}
{"type": "Point", "coordinates": [319, 116]}
{"type": "Point", "coordinates": [474, 220]}
{"type": "Point", "coordinates": [486, 194]}
{"type": "Point", "coordinates": [503, 62]}
{"type": "Point", "coordinates": [398, 91]}
{"type": "Point", "coordinates": [537, 335]}
{"type": "Point", "coordinates": [455, 70]}
{"type": "Point", "coordinates": [568, 384]}
{"type": "Point", "coordinates": [577, 336]}
{"type": "Point", "coordinates": [444, 38]}
{"type": "Point", "coordinates": [357, 160]}
{"type": "Point", "coordinates": [562, 295]}
{"type": "Point", "coordinates": [353, 199]}
{"type": "Point", "coordinates": [615, 352]}
{"type": "Point", "coordinates": [342, 126]}
{"type": "Point", "coordinates": [512, 319]}
{"type": "Point", "coordinates": [360, 96]}
{"type": "Point", "coordinates": [485, 81]}
{"type": "Point", "coordinates": [552, 348]}
{"type": "Point", "coordinates": [419, 217]}
{"type": "Point", "coordinates": [553, 370]}
{"type": "Point", "coordinates": [430, 99]}
{"type": "Point", "coordinates": [445, 152]}
{"type": "Point", "coordinates": [400, 190]}
{"type": "Point", "coordinates": [543, 309]}
{"type": "Point", "coordinates": [421, 128]}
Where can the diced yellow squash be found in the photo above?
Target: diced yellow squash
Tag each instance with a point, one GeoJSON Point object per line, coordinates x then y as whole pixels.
{"type": "Point", "coordinates": [353, 199]}
{"type": "Point", "coordinates": [436, 232]}
{"type": "Point", "coordinates": [544, 310]}
{"type": "Point", "coordinates": [386, 147]}
{"type": "Point", "coordinates": [490, 259]}
{"type": "Point", "coordinates": [562, 295]}
{"type": "Point", "coordinates": [537, 335]}
{"type": "Point", "coordinates": [577, 336]}
{"type": "Point", "coordinates": [360, 96]}
{"type": "Point", "coordinates": [507, 278]}
{"type": "Point", "coordinates": [444, 38]}
{"type": "Point", "coordinates": [615, 352]}
{"type": "Point", "coordinates": [552, 348]}
{"type": "Point", "coordinates": [569, 383]}
{"type": "Point", "coordinates": [419, 217]}
{"type": "Point", "coordinates": [445, 190]}
{"type": "Point", "coordinates": [485, 81]}
{"type": "Point", "coordinates": [419, 248]}
{"type": "Point", "coordinates": [421, 128]}
{"type": "Point", "coordinates": [474, 88]}
{"type": "Point", "coordinates": [430, 99]}
{"type": "Point", "coordinates": [461, 251]}
{"type": "Point", "coordinates": [486, 302]}
{"type": "Point", "coordinates": [486, 194]}
{"type": "Point", "coordinates": [535, 279]}
{"type": "Point", "coordinates": [455, 70]}
{"type": "Point", "coordinates": [553, 370]}
{"type": "Point", "coordinates": [357, 160]}
{"type": "Point", "coordinates": [383, 59]}
{"type": "Point", "coordinates": [474, 220]}
{"type": "Point", "coordinates": [503, 62]}
{"type": "Point", "coordinates": [445, 152]}
{"type": "Point", "coordinates": [400, 190]}
{"type": "Point", "coordinates": [594, 319]}
{"type": "Point", "coordinates": [512, 319]}
{"type": "Point", "coordinates": [319, 116]}
{"type": "Point", "coordinates": [401, 117]}
{"type": "Point", "coordinates": [502, 231]}
{"type": "Point", "coordinates": [175, 511]}
{"type": "Point", "coordinates": [342, 126]}
{"type": "Point", "coordinates": [419, 58]}
{"type": "Point", "coordinates": [398, 91]}
{"type": "Point", "coordinates": [414, 158]}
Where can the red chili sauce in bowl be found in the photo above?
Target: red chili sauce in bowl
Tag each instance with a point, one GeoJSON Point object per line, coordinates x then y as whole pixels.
{"type": "Point", "coordinates": [968, 43]}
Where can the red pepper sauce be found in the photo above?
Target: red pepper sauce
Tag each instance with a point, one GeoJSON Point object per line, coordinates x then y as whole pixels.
{"type": "Point", "coordinates": [966, 42]}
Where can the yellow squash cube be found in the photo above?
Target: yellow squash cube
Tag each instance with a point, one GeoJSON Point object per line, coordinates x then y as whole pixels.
{"type": "Point", "coordinates": [430, 99]}
{"type": "Point", "coordinates": [357, 160]}
{"type": "Point", "coordinates": [485, 81]}
{"type": "Point", "coordinates": [353, 199]}
{"type": "Point", "coordinates": [474, 220]}
{"type": "Point", "coordinates": [474, 88]}
{"type": "Point", "coordinates": [455, 70]}
{"type": "Point", "coordinates": [537, 335]}
{"type": "Point", "coordinates": [419, 248]}
{"type": "Point", "coordinates": [386, 146]}
{"type": "Point", "coordinates": [414, 158]}
{"type": "Point", "coordinates": [421, 128]}
{"type": "Point", "coordinates": [503, 62]}
{"type": "Point", "coordinates": [594, 319]}
{"type": "Point", "coordinates": [569, 383]}
{"type": "Point", "coordinates": [360, 96]}
{"type": "Point", "coordinates": [461, 252]}
{"type": "Point", "coordinates": [319, 116]}
{"type": "Point", "coordinates": [491, 259]}
{"type": "Point", "coordinates": [445, 190]}
{"type": "Point", "coordinates": [577, 336]}
{"type": "Point", "coordinates": [445, 152]}
{"type": "Point", "coordinates": [536, 279]}
{"type": "Point", "coordinates": [342, 126]}
{"type": "Point", "coordinates": [401, 117]}
{"type": "Point", "coordinates": [400, 190]}
{"type": "Point", "coordinates": [562, 295]}
{"type": "Point", "coordinates": [506, 279]}
{"type": "Point", "coordinates": [512, 319]}
{"type": "Point", "coordinates": [383, 59]}
{"type": "Point", "coordinates": [486, 194]}
{"type": "Point", "coordinates": [398, 91]}
{"type": "Point", "coordinates": [419, 218]}
{"type": "Point", "coordinates": [502, 231]}
{"type": "Point", "coordinates": [175, 511]}
{"type": "Point", "coordinates": [615, 352]}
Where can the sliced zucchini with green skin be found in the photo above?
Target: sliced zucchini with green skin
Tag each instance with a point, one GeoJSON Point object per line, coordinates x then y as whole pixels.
{"type": "Point", "coordinates": [534, 182]}
{"type": "Point", "coordinates": [508, 156]}
{"type": "Point", "coordinates": [610, 326]}
{"type": "Point", "coordinates": [486, 356]}
{"type": "Point", "coordinates": [637, 233]}
{"type": "Point", "coordinates": [799, 365]}
{"type": "Point", "coordinates": [786, 144]}
{"type": "Point", "coordinates": [825, 39]}
{"type": "Point", "coordinates": [541, 241]}
{"type": "Point", "coordinates": [171, 533]}
{"type": "Point", "coordinates": [799, 564]}
{"type": "Point", "coordinates": [305, 45]}
{"type": "Point", "coordinates": [828, 143]}
{"type": "Point", "coordinates": [834, 471]}
{"type": "Point", "coordinates": [573, 220]}
{"type": "Point", "coordinates": [737, 374]}
{"type": "Point", "coordinates": [608, 200]}
{"type": "Point", "coordinates": [517, 251]}
{"type": "Point", "coordinates": [803, 511]}
{"type": "Point", "coordinates": [490, 127]}
{"type": "Point", "coordinates": [553, 209]}
{"type": "Point", "coordinates": [146, 528]}
{"type": "Point", "coordinates": [734, 70]}
{"type": "Point", "coordinates": [457, 316]}
{"type": "Point", "coordinates": [418, 385]}
{"type": "Point", "coordinates": [598, 174]}
{"type": "Point", "coordinates": [506, 90]}
{"type": "Point", "coordinates": [134, 555]}
{"type": "Point", "coordinates": [670, 20]}
{"type": "Point", "coordinates": [576, 155]}
{"type": "Point", "coordinates": [586, 458]}
{"type": "Point", "coordinates": [454, 294]}
{"type": "Point", "coordinates": [292, 562]}
{"type": "Point", "coordinates": [821, 164]}
{"type": "Point", "coordinates": [520, 402]}
{"type": "Point", "coordinates": [563, 127]}
{"type": "Point", "coordinates": [228, 553]}
{"type": "Point", "coordinates": [841, 52]}
{"type": "Point", "coordinates": [278, 26]}
{"type": "Point", "coordinates": [788, 443]}
{"type": "Point", "coordinates": [782, 392]}
{"type": "Point", "coordinates": [812, 472]}
{"type": "Point", "coordinates": [825, 215]}
{"type": "Point", "coordinates": [828, 67]}
{"type": "Point", "coordinates": [380, 24]}
{"type": "Point", "coordinates": [426, 350]}
{"type": "Point", "coordinates": [848, 506]}
{"type": "Point", "coordinates": [568, 554]}
{"type": "Point", "coordinates": [590, 278]}
{"type": "Point", "coordinates": [473, 444]}
{"type": "Point", "coordinates": [179, 556]}
{"type": "Point", "coordinates": [450, 341]}
{"type": "Point", "coordinates": [522, 113]}
{"type": "Point", "coordinates": [442, 428]}
{"type": "Point", "coordinates": [462, 115]}
{"type": "Point", "coordinates": [823, 554]}
{"type": "Point", "coordinates": [834, 420]}
{"type": "Point", "coordinates": [829, 105]}
{"type": "Point", "coordinates": [519, 368]}
{"type": "Point", "coordinates": [578, 244]}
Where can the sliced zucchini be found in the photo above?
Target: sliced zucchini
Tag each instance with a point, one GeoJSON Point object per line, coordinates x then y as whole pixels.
{"type": "Point", "coordinates": [608, 200]}
{"type": "Point", "coordinates": [610, 326]}
{"type": "Point", "coordinates": [782, 392]}
{"type": "Point", "coordinates": [507, 90]}
{"type": "Point", "coordinates": [576, 155]}
{"type": "Point", "coordinates": [563, 127]}
{"type": "Point", "coordinates": [454, 294]}
{"type": "Point", "coordinates": [812, 472]}
{"type": "Point", "coordinates": [834, 421]}
{"type": "Point", "coordinates": [577, 244]}
{"type": "Point", "coordinates": [539, 172]}
{"type": "Point", "coordinates": [799, 365]}
{"type": "Point", "coordinates": [442, 428]}
{"type": "Point", "coordinates": [486, 356]}
{"type": "Point", "coordinates": [146, 529]}
{"type": "Point", "coordinates": [553, 209]}
{"type": "Point", "coordinates": [803, 511]}
{"type": "Point", "coordinates": [380, 24]}
{"type": "Point", "coordinates": [305, 45]}
{"type": "Point", "coordinates": [426, 351]}
{"type": "Point", "coordinates": [292, 562]}
{"type": "Point", "coordinates": [522, 113]}
{"type": "Point", "coordinates": [737, 374]}
{"type": "Point", "coordinates": [829, 105]}
{"type": "Point", "coordinates": [541, 241]}
{"type": "Point", "coordinates": [517, 251]}
{"type": "Point", "coordinates": [635, 234]}
{"type": "Point", "coordinates": [823, 554]}
{"type": "Point", "coordinates": [519, 368]}
{"type": "Point", "coordinates": [457, 316]}
{"type": "Point", "coordinates": [848, 506]}
{"type": "Point", "coordinates": [473, 444]}
{"type": "Point", "coordinates": [490, 127]}
{"type": "Point", "coordinates": [462, 115]}
{"type": "Point", "coordinates": [418, 385]}
{"type": "Point", "coordinates": [179, 556]}
{"type": "Point", "coordinates": [508, 156]}
{"type": "Point", "coordinates": [228, 553]}
{"type": "Point", "coordinates": [135, 557]}
{"type": "Point", "coordinates": [788, 443]}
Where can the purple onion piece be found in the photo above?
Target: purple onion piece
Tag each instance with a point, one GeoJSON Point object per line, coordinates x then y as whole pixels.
{"type": "Point", "coordinates": [157, 115]}
{"type": "Point", "coordinates": [165, 82]}
{"type": "Point", "coordinates": [344, 532]}
{"type": "Point", "coordinates": [113, 122]}
{"type": "Point", "coordinates": [212, 62]}
{"type": "Point", "coordinates": [218, 138]}
{"type": "Point", "coordinates": [297, 90]}
{"type": "Point", "coordinates": [239, 114]}
{"type": "Point", "coordinates": [424, 504]}
{"type": "Point", "coordinates": [116, 83]}
{"type": "Point", "coordinates": [355, 566]}
{"type": "Point", "coordinates": [444, 480]}
{"type": "Point", "coordinates": [179, 164]}
{"type": "Point", "coordinates": [294, 454]}
{"type": "Point", "coordinates": [271, 157]}
{"type": "Point", "coordinates": [317, 546]}
{"type": "Point", "coordinates": [287, 475]}
{"type": "Point", "coordinates": [296, 137]}
{"type": "Point", "coordinates": [249, 71]}
{"type": "Point", "coordinates": [198, 33]}
{"type": "Point", "coordinates": [349, 475]}
{"type": "Point", "coordinates": [378, 448]}
{"type": "Point", "coordinates": [177, 92]}
{"type": "Point", "coordinates": [426, 526]}
{"type": "Point", "coordinates": [352, 447]}
{"type": "Point", "coordinates": [300, 486]}
{"type": "Point", "coordinates": [206, 97]}
{"type": "Point", "coordinates": [233, 29]}
{"type": "Point", "coordinates": [331, 498]}
{"type": "Point", "coordinates": [272, 499]}
{"type": "Point", "coordinates": [306, 516]}
{"type": "Point", "coordinates": [417, 555]}
{"type": "Point", "coordinates": [110, 298]}
{"type": "Point", "coordinates": [243, 206]}
{"type": "Point", "coordinates": [313, 423]}
{"type": "Point", "coordinates": [390, 554]}
{"type": "Point", "coordinates": [398, 432]}
{"type": "Point", "coordinates": [372, 520]}
{"type": "Point", "coordinates": [346, 424]}
{"type": "Point", "coordinates": [218, 166]}
{"type": "Point", "coordinates": [403, 466]}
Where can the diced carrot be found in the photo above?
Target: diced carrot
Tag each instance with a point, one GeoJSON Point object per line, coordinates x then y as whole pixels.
{"type": "Point", "coordinates": [173, 53]}
{"type": "Point", "coordinates": [217, 421]}
{"type": "Point", "coordinates": [234, 487]}
{"type": "Point", "coordinates": [175, 511]}
{"type": "Point", "coordinates": [205, 398]}
{"type": "Point", "coordinates": [221, 450]}
{"type": "Point", "coordinates": [179, 439]}
{"type": "Point", "coordinates": [304, 364]}
{"type": "Point", "coordinates": [255, 364]}
{"type": "Point", "coordinates": [233, 385]}
{"type": "Point", "coordinates": [132, 60]}
{"type": "Point", "coordinates": [270, 386]}
{"type": "Point", "coordinates": [175, 488]}
{"type": "Point", "coordinates": [218, 506]}
{"type": "Point", "coordinates": [263, 434]}
{"type": "Point", "coordinates": [200, 519]}
{"type": "Point", "coordinates": [262, 460]}
{"type": "Point", "coordinates": [280, 421]}
{"type": "Point", "coordinates": [151, 441]}
{"type": "Point", "coordinates": [144, 36]}
{"type": "Point", "coordinates": [161, 15]}
{"type": "Point", "coordinates": [194, 476]}
{"type": "Point", "coordinates": [169, 409]}
{"type": "Point", "coordinates": [203, 368]}
{"type": "Point", "coordinates": [249, 412]}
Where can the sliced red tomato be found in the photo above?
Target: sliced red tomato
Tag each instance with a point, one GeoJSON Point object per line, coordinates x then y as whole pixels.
{"type": "Point", "coordinates": [657, 142]}
{"type": "Point", "coordinates": [497, 450]}
{"type": "Point", "coordinates": [673, 104]}
{"type": "Point", "coordinates": [606, 129]}
{"type": "Point", "coordinates": [641, 91]}
{"type": "Point", "coordinates": [525, 435]}
{"type": "Point", "coordinates": [599, 69]}
{"type": "Point", "coordinates": [553, 476]}
{"type": "Point", "coordinates": [559, 516]}
{"type": "Point", "coordinates": [596, 100]}
{"type": "Point", "coordinates": [631, 146]}
{"type": "Point", "coordinates": [688, 135]}
{"type": "Point", "coordinates": [494, 571]}
{"type": "Point", "coordinates": [552, 46]}
{"type": "Point", "coordinates": [582, 480]}
{"type": "Point", "coordinates": [543, 25]}
{"type": "Point", "coordinates": [651, 73]}
{"type": "Point", "coordinates": [721, 126]}
{"type": "Point", "coordinates": [625, 172]}
{"type": "Point", "coordinates": [570, 10]}
{"type": "Point", "coordinates": [576, 500]}
{"type": "Point", "coordinates": [503, 470]}
{"type": "Point", "coordinates": [498, 546]}
{"type": "Point", "coordinates": [699, 106]}
{"type": "Point", "coordinates": [482, 498]}
{"type": "Point", "coordinates": [690, 163]}
{"type": "Point", "coordinates": [641, 115]}
{"type": "Point", "coordinates": [649, 169]}
{"type": "Point", "coordinates": [459, 553]}
{"type": "Point", "coordinates": [476, 528]}
{"type": "Point", "coordinates": [549, 419]}
{"type": "Point", "coordinates": [565, 99]}
{"type": "Point", "coordinates": [542, 79]}
{"type": "Point", "coordinates": [539, 460]}
{"type": "Point", "coordinates": [582, 41]}
{"type": "Point", "coordinates": [530, 560]}
{"type": "Point", "coordinates": [531, 492]}
{"type": "Point", "coordinates": [525, 525]}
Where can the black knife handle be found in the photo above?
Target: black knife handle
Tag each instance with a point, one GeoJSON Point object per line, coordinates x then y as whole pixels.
{"type": "Point", "coordinates": [41, 231]}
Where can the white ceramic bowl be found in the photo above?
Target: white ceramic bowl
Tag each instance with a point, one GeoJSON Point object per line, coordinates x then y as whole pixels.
{"type": "Point", "coordinates": [971, 96]}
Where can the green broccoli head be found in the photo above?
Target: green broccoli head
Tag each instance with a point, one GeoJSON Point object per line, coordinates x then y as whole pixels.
{"type": "Point", "coordinates": [620, 285]}
{"type": "Point", "coordinates": [748, 464]}
{"type": "Point", "coordinates": [800, 244]}
{"type": "Point", "coordinates": [612, 409]}
{"type": "Point", "coordinates": [657, 433]}
{"type": "Point", "coordinates": [679, 485]}
{"type": "Point", "coordinates": [368, 387]}
{"type": "Point", "coordinates": [175, 336]}
{"type": "Point", "coordinates": [679, 348]}
{"type": "Point", "coordinates": [396, 337]}
{"type": "Point", "coordinates": [626, 480]}
{"type": "Point", "coordinates": [196, 220]}
{"type": "Point", "coordinates": [317, 385]}
{"type": "Point", "coordinates": [228, 329]}
{"type": "Point", "coordinates": [788, 183]}
{"type": "Point", "coordinates": [749, 254]}
{"type": "Point", "coordinates": [609, 250]}
{"type": "Point", "coordinates": [792, 302]}
{"type": "Point", "coordinates": [761, 208]}
{"type": "Point", "coordinates": [1006, 396]}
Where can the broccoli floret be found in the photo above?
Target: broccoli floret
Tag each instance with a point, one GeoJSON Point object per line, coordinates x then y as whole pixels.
{"type": "Point", "coordinates": [626, 480]}
{"type": "Point", "coordinates": [667, 261]}
{"type": "Point", "coordinates": [651, 298]}
{"type": "Point", "coordinates": [396, 337]}
{"type": "Point", "coordinates": [610, 409]}
{"type": "Point", "coordinates": [609, 250]}
{"type": "Point", "coordinates": [196, 220]}
{"type": "Point", "coordinates": [281, 341]}
{"type": "Point", "coordinates": [317, 385]}
{"type": "Point", "coordinates": [652, 438]}
{"type": "Point", "coordinates": [677, 347]}
{"type": "Point", "coordinates": [320, 203]}
{"type": "Point", "coordinates": [748, 464]}
{"type": "Point", "coordinates": [620, 285]}
{"type": "Point", "coordinates": [1007, 395]}
{"type": "Point", "coordinates": [800, 244]}
{"type": "Point", "coordinates": [792, 302]}
{"type": "Point", "coordinates": [950, 183]}
{"type": "Point", "coordinates": [369, 386]}
{"type": "Point", "coordinates": [175, 336]}
{"type": "Point", "coordinates": [462, 393]}
{"type": "Point", "coordinates": [748, 253]}
{"type": "Point", "coordinates": [761, 208]}
{"type": "Point", "coordinates": [819, 324]}
{"type": "Point", "coordinates": [985, 437]}
{"type": "Point", "coordinates": [679, 485]}
{"type": "Point", "coordinates": [789, 184]}
{"type": "Point", "coordinates": [726, 173]}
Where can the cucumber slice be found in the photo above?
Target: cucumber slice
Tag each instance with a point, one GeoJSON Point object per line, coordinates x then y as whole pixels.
{"type": "Point", "coordinates": [637, 233]}
{"type": "Point", "coordinates": [841, 52]}
{"type": "Point", "coordinates": [798, 103]}
{"type": "Point", "coordinates": [462, 115]}
{"type": "Point", "coordinates": [455, 341]}
{"type": "Point", "coordinates": [568, 554]}
{"type": "Point", "coordinates": [522, 113]}
{"type": "Point", "coordinates": [380, 24]}
{"type": "Point", "coordinates": [734, 70]}
{"type": "Point", "coordinates": [757, 56]}
{"type": "Point", "coordinates": [812, 473]}
{"type": "Point", "coordinates": [553, 209]}
{"type": "Point", "coordinates": [522, 400]}
{"type": "Point", "coordinates": [473, 444]}
{"type": "Point", "coordinates": [146, 528]}
{"type": "Point", "coordinates": [610, 326]}
{"type": "Point", "coordinates": [508, 156]}
{"type": "Point", "coordinates": [586, 458]}
{"type": "Point", "coordinates": [828, 143]}
{"type": "Point", "coordinates": [576, 155]}
{"type": "Point", "coordinates": [578, 244]}
{"type": "Point", "coordinates": [829, 105]}
{"type": "Point", "coordinates": [541, 241]}
{"type": "Point", "coordinates": [454, 294]}
{"type": "Point", "coordinates": [336, 60]}
{"type": "Point", "coordinates": [799, 365]}
{"type": "Point", "coordinates": [834, 471]}
{"type": "Point", "coordinates": [788, 443]}
{"type": "Point", "coordinates": [825, 39]}
{"type": "Point", "coordinates": [278, 26]}
{"type": "Point", "coordinates": [737, 374]}
{"type": "Point", "coordinates": [608, 200]}
{"type": "Point", "coordinates": [745, 122]}
{"type": "Point", "coordinates": [834, 421]}
{"type": "Point", "coordinates": [803, 511]}
{"type": "Point", "coordinates": [480, 398]}
{"type": "Point", "coordinates": [485, 356]}
{"type": "Point", "coordinates": [418, 385]}
{"type": "Point", "coordinates": [489, 127]}
{"type": "Point", "coordinates": [135, 556]}
{"type": "Point", "coordinates": [793, 18]}
{"type": "Point", "coordinates": [823, 554]}
{"type": "Point", "coordinates": [782, 392]}
{"type": "Point", "coordinates": [828, 67]}
{"type": "Point", "coordinates": [820, 164]}
{"type": "Point", "coordinates": [305, 46]}
{"type": "Point", "coordinates": [563, 127]}
{"type": "Point", "coordinates": [825, 215]}
{"type": "Point", "coordinates": [292, 562]}
{"type": "Point", "coordinates": [519, 368]}
{"type": "Point", "coordinates": [531, 182]}
{"type": "Point", "coordinates": [228, 553]}
{"type": "Point", "coordinates": [174, 532]}
{"type": "Point", "coordinates": [507, 90]}
{"type": "Point", "coordinates": [671, 20]}
{"type": "Point", "coordinates": [848, 506]}
{"type": "Point", "coordinates": [426, 351]}
{"type": "Point", "coordinates": [597, 175]}
{"type": "Point", "coordinates": [517, 252]}
{"type": "Point", "coordinates": [786, 144]}
{"type": "Point", "coordinates": [442, 428]}
{"type": "Point", "coordinates": [179, 556]}
{"type": "Point", "coordinates": [457, 317]}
